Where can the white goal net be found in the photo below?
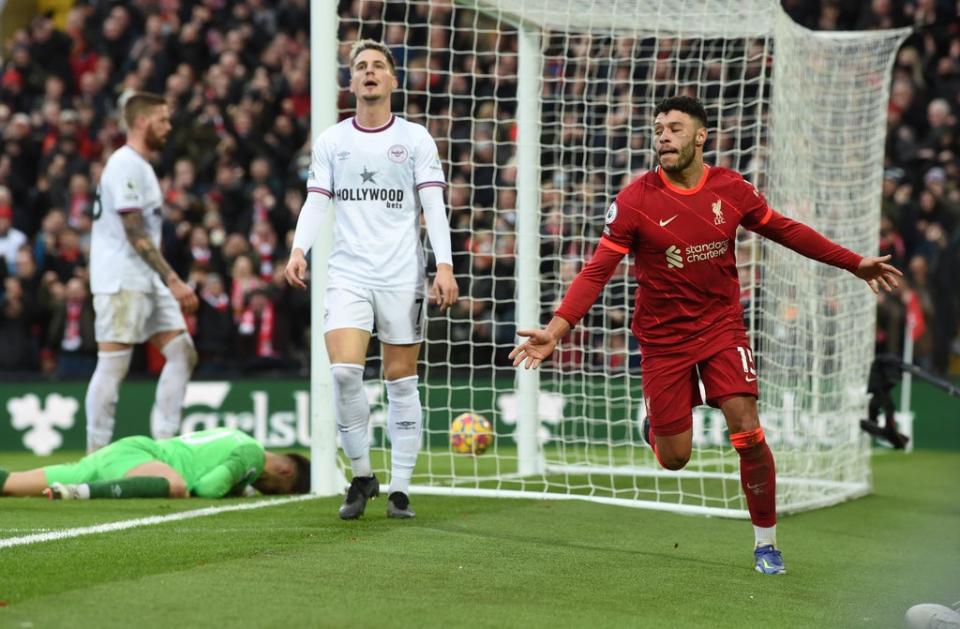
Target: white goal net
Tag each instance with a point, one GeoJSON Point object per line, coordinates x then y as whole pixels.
{"type": "Point", "coordinates": [542, 111]}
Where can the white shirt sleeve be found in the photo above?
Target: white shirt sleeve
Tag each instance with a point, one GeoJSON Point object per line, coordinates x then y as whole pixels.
{"type": "Point", "coordinates": [438, 227]}
{"type": "Point", "coordinates": [311, 218]}
{"type": "Point", "coordinates": [320, 178]}
{"type": "Point", "coordinates": [427, 169]}
{"type": "Point", "coordinates": [430, 181]}
{"type": "Point", "coordinates": [128, 190]}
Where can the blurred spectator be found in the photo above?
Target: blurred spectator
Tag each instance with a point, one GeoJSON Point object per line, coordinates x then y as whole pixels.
{"type": "Point", "coordinates": [15, 339]}
{"type": "Point", "coordinates": [67, 259]}
{"type": "Point", "coordinates": [263, 334]}
{"type": "Point", "coordinates": [245, 281]}
{"type": "Point", "coordinates": [45, 242]}
{"type": "Point", "coordinates": [80, 201]}
{"type": "Point", "coordinates": [202, 255]}
{"type": "Point", "coordinates": [263, 240]}
{"type": "Point", "coordinates": [215, 327]}
{"type": "Point", "coordinates": [70, 339]}
{"type": "Point", "coordinates": [11, 238]}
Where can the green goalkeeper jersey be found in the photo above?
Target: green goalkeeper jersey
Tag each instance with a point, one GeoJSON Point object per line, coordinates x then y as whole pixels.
{"type": "Point", "coordinates": [214, 463]}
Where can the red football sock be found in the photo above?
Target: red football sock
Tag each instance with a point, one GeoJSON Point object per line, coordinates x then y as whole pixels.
{"type": "Point", "coordinates": [758, 476]}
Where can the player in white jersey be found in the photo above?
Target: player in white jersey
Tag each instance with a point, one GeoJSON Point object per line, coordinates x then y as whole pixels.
{"type": "Point", "coordinates": [378, 170]}
{"type": "Point", "coordinates": [135, 292]}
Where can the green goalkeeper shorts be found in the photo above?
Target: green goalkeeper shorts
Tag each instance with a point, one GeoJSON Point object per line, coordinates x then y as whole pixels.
{"type": "Point", "coordinates": [109, 463]}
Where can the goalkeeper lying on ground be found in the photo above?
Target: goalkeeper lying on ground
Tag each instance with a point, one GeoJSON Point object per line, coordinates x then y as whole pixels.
{"type": "Point", "coordinates": [208, 464]}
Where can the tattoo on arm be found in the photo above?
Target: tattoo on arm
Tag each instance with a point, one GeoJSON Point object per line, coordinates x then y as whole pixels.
{"type": "Point", "coordinates": [140, 240]}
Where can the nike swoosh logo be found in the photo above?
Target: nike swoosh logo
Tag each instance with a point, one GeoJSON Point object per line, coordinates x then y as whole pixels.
{"type": "Point", "coordinates": [749, 379]}
{"type": "Point", "coordinates": [667, 222]}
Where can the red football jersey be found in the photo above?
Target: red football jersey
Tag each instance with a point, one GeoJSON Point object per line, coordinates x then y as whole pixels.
{"type": "Point", "coordinates": [683, 244]}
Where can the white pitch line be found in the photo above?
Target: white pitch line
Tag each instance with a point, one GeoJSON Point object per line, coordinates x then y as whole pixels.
{"type": "Point", "coordinates": [122, 525]}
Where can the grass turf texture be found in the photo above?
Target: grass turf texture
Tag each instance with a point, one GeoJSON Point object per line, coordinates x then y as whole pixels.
{"type": "Point", "coordinates": [485, 562]}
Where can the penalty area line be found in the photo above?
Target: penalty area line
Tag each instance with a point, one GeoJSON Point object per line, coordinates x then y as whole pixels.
{"type": "Point", "coordinates": [123, 525]}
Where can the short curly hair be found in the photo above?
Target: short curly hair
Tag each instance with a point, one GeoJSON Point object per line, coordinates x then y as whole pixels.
{"type": "Point", "coordinates": [686, 104]}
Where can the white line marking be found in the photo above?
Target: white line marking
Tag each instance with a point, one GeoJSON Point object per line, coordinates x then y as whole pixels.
{"type": "Point", "coordinates": [122, 525]}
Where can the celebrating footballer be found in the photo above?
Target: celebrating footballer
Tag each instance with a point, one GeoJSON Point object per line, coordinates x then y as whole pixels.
{"type": "Point", "coordinates": [680, 222]}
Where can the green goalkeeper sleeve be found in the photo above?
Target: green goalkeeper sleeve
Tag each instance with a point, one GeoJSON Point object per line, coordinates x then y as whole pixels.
{"type": "Point", "coordinates": [240, 469]}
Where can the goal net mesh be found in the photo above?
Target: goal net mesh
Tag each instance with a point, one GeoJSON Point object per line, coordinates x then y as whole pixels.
{"type": "Point", "coordinates": [800, 114]}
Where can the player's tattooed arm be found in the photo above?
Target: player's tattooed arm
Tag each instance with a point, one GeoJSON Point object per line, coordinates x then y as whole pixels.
{"type": "Point", "coordinates": [140, 240]}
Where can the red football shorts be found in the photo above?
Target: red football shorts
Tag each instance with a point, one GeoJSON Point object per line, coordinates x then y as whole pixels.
{"type": "Point", "coordinates": [671, 381]}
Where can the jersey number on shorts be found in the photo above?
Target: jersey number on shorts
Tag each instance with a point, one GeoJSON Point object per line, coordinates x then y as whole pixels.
{"type": "Point", "coordinates": [746, 359]}
{"type": "Point", "coordinates": [418, 316]}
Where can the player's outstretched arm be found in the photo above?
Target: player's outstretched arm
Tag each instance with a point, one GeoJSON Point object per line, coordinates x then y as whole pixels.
{"type": "Point", "coordinates": [581, 295]}
{"type": "Point", "coordinates": [878, 274]}
{"type": "Point", "coordinates": [540, 343]}
{"type": "Point", "coordinates": [140, 240]}
{"type": "Point", "coordinates": [808, 242]}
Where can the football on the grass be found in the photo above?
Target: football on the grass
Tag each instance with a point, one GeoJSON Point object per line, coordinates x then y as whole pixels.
{"type": "Point", "coordinates": [470, 434]}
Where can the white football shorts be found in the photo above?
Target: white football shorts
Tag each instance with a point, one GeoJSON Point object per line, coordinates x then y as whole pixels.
{"type": "Point", "coordinates": [132, 317]}
{"type": "Point", "coordinates": [397, 315]}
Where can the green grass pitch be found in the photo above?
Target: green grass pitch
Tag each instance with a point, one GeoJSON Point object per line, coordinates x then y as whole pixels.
{"type": "Point", "coordinates": [486, 563]}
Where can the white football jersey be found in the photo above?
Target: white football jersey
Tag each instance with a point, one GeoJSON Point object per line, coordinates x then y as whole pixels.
{"type": "Point", "coordinates": [127, 184]}
{"type": "Point", "coordinates": [373, 176]}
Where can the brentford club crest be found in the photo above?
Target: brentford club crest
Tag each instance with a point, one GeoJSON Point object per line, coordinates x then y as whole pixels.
{"type": "Point", "coordinates": [397, 153]}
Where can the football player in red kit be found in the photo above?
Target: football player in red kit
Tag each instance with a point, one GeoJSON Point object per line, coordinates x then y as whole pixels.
{"type": "Point", "coordinates": [680, 222]}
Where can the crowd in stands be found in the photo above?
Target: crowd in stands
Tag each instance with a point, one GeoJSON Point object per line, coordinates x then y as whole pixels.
{"type": "Point", "coordinates": [920, 221]}
{"type": "Point", "coordinates": [235, 73]}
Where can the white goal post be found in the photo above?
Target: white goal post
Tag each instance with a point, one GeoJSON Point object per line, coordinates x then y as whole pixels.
{"type": "Point", "coordinates": [542, 112]}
